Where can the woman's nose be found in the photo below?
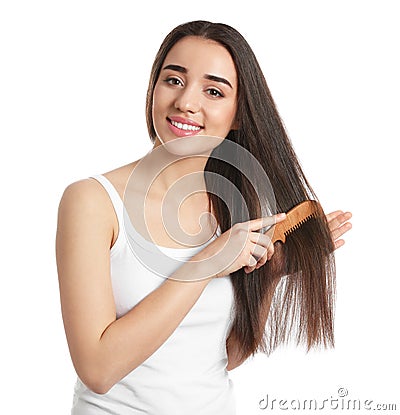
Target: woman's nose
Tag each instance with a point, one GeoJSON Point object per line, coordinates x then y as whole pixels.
{"type": "Point", "coordinates": [188, 100]}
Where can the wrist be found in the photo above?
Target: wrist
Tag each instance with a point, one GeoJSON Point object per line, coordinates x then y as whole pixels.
{"type": "Point", "coordinates": [196, 270]}
{"type": "Point", "coordinates": [208, 266]}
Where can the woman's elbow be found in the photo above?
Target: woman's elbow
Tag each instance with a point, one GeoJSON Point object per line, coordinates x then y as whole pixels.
{"type": "Point", "coordinates": [96, 385]}
{"type": "Point", "coordinates": [98, 381]}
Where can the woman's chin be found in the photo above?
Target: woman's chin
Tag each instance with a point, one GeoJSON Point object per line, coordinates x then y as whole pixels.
{"type": "Point", "coordinates": [194, 145]}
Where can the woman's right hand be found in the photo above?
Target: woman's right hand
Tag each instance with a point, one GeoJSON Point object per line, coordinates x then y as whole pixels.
{"type": "Point", "coordinates": [238, 247]}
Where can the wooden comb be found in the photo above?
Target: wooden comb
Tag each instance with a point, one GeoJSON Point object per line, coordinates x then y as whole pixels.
{"type": "Point", "coordinates": [295, 218]}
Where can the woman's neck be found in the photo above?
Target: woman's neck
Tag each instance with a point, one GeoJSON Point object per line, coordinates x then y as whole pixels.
{"type": "Point", "coordinates": [178, 175]}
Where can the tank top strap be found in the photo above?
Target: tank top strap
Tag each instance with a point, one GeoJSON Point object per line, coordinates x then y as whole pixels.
{"type": "Point", "coordinates": [114, 196]}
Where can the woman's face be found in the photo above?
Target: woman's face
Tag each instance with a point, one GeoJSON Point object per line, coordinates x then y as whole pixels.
{"type": "Point", "coordinates": [196, 91]}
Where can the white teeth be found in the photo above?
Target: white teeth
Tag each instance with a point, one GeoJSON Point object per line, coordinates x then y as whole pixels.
{"type": "Point", "coordinates": [185, 126]}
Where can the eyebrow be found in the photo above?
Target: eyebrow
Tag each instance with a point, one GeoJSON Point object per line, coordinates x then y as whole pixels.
{"type": "Point", "coordinates": [215, 78]}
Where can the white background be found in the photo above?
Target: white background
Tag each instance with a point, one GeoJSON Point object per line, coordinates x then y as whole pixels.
{"type": "Point", "coordinates": [73, 77]}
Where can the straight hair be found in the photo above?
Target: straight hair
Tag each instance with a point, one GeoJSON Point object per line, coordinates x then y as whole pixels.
{"type": "Point", "coordinates": [293, 295]}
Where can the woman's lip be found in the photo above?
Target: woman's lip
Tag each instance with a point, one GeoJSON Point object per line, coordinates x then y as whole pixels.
{"type": "Point", "coordinates": [182, 133]}
{"type": "Point", "coordinates": [184, 121]}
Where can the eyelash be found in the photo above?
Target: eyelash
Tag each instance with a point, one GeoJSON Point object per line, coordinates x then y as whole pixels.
{"type": "Point", "coordinates": [171, 80]}
{"type": "Point", "coordinates": [220, 95]}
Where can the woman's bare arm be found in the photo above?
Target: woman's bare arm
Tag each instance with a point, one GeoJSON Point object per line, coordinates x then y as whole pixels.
{"type": "Point", "coordinates": [104, 349]}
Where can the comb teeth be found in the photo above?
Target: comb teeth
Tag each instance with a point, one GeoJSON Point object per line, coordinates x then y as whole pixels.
{"type": "Point", "coordinates": [296, 218]}
{"type": "Point", "coordinates": [299, 224]}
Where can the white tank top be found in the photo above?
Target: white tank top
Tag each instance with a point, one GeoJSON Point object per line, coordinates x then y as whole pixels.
{"type": "Point", "coordinates": [187, 374]}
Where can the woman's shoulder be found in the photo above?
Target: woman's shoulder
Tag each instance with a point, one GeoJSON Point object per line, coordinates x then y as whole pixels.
{"type": "Point", "coordinates": [88, 194]}
{"type": "Point", "coordinates": [91, 189]}
{"type": "Point", "coordinates": [83, 198]}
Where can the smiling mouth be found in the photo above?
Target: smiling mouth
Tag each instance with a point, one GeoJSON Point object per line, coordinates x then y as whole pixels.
{"type": "Point", "coordinates": [184, 127]}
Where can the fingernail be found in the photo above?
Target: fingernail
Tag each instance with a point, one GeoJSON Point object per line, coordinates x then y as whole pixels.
{"type": "Point", "coordinates": [281, 215]}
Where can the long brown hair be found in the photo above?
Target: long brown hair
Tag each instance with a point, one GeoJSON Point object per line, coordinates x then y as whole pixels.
{"type": "Point", "coordinates": [293, 294]}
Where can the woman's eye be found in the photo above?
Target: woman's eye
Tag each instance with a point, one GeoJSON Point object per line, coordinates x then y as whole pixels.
{"type": "Point", "coordinates": [214, 92]}
{"type": "Point", "coordinates": [173, 81]}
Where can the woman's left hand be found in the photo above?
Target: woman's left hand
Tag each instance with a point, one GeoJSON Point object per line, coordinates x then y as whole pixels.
{"type": "Point", "coordinates": [339, 224]}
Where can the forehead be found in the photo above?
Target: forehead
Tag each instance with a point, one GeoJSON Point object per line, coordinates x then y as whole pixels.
{"type": "Point", "coordinates": [202, 56]}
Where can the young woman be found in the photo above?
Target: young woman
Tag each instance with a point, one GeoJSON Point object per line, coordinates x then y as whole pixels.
{"type": "Point", "coordinates": [145, 341]}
